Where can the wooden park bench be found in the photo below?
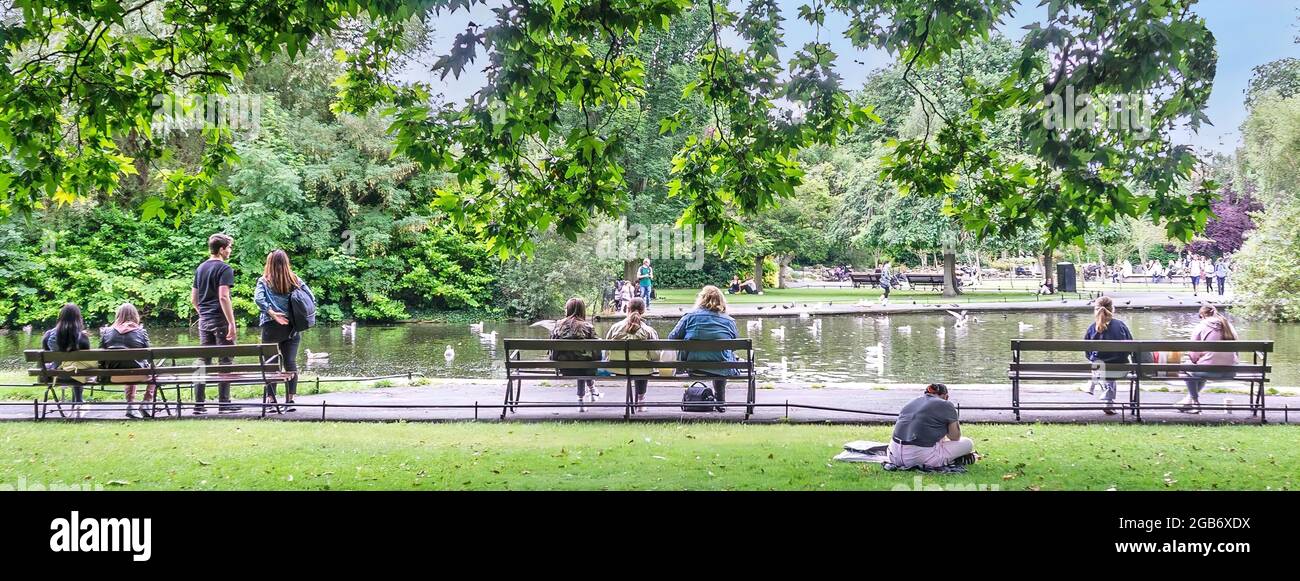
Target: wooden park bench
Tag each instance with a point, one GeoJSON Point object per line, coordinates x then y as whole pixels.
{"type": "Point", "coordinates": [870, 279]}
{"type": "Point", "coordinates": [526, 360]}
{"type": "Point", "coordinates": [176, 368]}
{"type": "Point", "coordinates": [932, 280]}
{"type": "Point", "coordinates": [1078, 368]}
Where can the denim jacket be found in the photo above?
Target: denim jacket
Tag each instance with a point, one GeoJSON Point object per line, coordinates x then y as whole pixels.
{"type": "Point", "coordinates": [269, 300]}
{"type": "Point", "coordinates": [706, 325]}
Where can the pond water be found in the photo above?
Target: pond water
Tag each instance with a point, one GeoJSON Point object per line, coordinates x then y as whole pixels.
{"type": "Point", "coordinates": [916, 348]}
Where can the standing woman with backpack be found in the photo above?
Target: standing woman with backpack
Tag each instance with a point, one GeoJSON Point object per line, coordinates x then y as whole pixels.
{"type": "Point", "coordinates": [273, 298]}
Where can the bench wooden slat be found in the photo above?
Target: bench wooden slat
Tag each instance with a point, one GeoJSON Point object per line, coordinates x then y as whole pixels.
{"type": "Point", "coordinates": [1140, 346]}
{"type": "Point", "coordinates": [213, 351]}
{"type": "Point", "coordinates": [639, 345]}
{"type": "Point", "coordinates": [1153, 367]}
{"type": "Point", "coordinates": [612, 365]}
{"type": "Point", "coordinates": [174, 370]}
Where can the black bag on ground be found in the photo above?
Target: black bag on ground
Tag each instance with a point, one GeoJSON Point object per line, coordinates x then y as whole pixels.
{"type": "Point", "coordinates": [302, 310]}
{"type": "Point", "coordinates": [698, 394]}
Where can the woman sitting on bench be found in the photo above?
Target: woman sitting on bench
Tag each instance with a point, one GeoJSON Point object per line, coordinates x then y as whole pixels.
{"type": "Point", "coordinates": [127, 333]}
{"type": "Point", "coordinates": [708, 322]}
{"type": "Point", "coordinates": [574, 325]}
{"type": "Point", "coordinates": [1213, 327]}
{"type": "Point", "coordinates": [1106, 327]}
{"type": "Point", "coordinates": [69, 334]}
{"type": "Point", "coordinates": [928, 434]}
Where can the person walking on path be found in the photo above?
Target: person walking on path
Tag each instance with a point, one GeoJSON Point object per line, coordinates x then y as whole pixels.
{"type": "Point", "coordinates": [210, 297]}
{"type": "Point", "coordinates": [1221, 273]}
{"type": "Point", "coordinates": [1195, 270]}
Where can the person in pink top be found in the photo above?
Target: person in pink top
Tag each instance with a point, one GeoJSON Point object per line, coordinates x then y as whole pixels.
{"type": "Point", "coordinates": [1213, 327]}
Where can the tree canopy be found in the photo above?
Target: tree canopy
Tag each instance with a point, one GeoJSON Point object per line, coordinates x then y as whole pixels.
{"type": "Point", "coordinates": [76, 111]}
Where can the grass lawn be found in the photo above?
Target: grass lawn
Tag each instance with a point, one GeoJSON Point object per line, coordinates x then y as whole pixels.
{"type": "Point", "coordinates": [233, 454]}
{"type": "Point", "coordinates": [842, 296]}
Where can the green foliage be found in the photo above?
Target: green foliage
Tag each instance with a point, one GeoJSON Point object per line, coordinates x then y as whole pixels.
{"type": "Point", "coordinates": [539, 285]}
{"type": "Point", "coordinates": [1267, 273]}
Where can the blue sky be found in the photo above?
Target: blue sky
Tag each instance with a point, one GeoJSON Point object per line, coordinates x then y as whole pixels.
{"type": "Point", "coordinates": [1249, 33]}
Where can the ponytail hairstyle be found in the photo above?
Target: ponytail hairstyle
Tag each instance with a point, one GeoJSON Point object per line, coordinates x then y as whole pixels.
{"type": "Point", "coordinates": [635, 314]}
{"type": "Point", "coordinates": [1208, 312]}
{"type": "Point", "coordinates": [69, 328]}
{"type": "Point", "coordinates": [1103, 313]}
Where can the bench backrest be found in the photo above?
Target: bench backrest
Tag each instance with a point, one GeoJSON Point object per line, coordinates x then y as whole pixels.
{"type": "Point", "coordinates": [1021, 347]}
{"type": "Point", "coordinates": [517, 360]}
{"type": "Point", "coordinates": [924, 278]}
{"type": "Point", "coordinates": [257, 358]}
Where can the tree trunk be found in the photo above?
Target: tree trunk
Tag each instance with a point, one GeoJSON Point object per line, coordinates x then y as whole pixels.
{"type": "Point", "coordinates": [949, 274]}
{"type": "Point", "coordinates": [783, 269]}
{"type": "Point", "coordinates": [758, 273]}
{"type": "Point", "coordinates": [629, 270]}
{"type": "Point", "coordinates": [1048, 276]}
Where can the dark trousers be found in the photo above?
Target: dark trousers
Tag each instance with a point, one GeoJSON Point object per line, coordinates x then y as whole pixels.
{"type": "Point", "coordinates": [1221, 281]}
{"type": "Point", "coordinates": [719, 387]}
{"type": "Point", "coordinates": [77, 388]}
{"type": "Point", "coordinates": [288, 361]}
{"type": "Point", "coordinates": [886, 287]}
{"type": "Point", "coordinates": [640, 385]}
{"type": "Point", "coordinates": [1209, 283]}
{"type": "Point", "coordinates": [207, 337]}
{"type": "Point", "coordinates": [583, 384]}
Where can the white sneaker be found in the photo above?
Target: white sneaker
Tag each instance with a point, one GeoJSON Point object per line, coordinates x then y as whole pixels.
{"type": "Point", "coordinates": [1184, 404]}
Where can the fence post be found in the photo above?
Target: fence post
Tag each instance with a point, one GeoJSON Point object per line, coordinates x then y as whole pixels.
{"type": "Point", "coordinates": [476, 410]}
{"type": "Point", "coordinates": [322, 409]}
{"type": "Point", "coordinates": [317, 392]}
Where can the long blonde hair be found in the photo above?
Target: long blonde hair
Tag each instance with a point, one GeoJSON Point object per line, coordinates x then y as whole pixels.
{"type": "Point", "coordinates": [710, 298]}
{"type": "Point", "coordinates": [1103, 313]}
{"type": "Point", "coordinates": [1208, 312]}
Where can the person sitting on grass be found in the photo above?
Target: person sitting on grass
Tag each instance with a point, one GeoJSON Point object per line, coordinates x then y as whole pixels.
{"type": "Point", "coordinates": [735, 285]}
{"type": "Point", "coordinates": [128, 333]}
{"type": "Point", "coordinates": [928, 433]}
{"type": "Point", "coordinates": [749, 286]}
{"type": "Point", "coordinates": [1106, 327]}
{"type": "Point", "coordinates": [574, 325]}
{"type": "Point", "coordinates": [633, 328]}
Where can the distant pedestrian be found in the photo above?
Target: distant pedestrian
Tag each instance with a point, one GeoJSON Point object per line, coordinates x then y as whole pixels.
{"type": "Point", "coordinates": [1221, 273]}
{"type": "Point", "coordinates": [645, 278]}
{"type": "Point", "coordinates": [1195, 270]}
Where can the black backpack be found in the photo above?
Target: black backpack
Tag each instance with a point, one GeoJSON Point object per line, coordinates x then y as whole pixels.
{"type": "Point", "coordinates": [698, 394]}
{"type": "Point", "coordinates": [302, 310]}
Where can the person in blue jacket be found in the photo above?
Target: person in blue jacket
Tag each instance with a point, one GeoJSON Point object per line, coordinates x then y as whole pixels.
{"type": "Point", "coordinates": [1106, 327]}
{"type": "Point", "coordinates": [708, 322]}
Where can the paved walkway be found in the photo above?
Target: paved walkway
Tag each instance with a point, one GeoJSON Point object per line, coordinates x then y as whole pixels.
{"type": "Point", "coordinates": [487, 396]}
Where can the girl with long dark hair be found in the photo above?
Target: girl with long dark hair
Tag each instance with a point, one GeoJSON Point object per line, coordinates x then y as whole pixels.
{"type": "Point", "coordinates": [574, 325]}
{"type": "Point", "coordinates": [69, 334]}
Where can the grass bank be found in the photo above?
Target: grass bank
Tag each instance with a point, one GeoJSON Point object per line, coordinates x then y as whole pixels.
{"type": "Point", "coordinates": [232, 454]}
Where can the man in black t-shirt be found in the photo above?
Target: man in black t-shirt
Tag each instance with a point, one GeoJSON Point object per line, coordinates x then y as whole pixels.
{"type": "Point", "coordinates": [210, 296]}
